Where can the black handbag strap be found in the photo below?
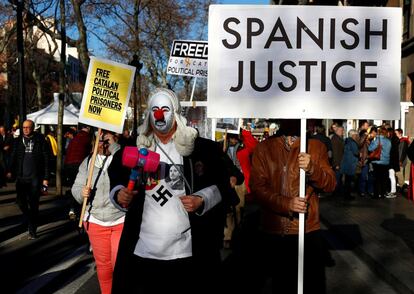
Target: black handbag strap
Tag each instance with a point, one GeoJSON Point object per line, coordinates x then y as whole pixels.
{"type": "Point", "coordinates": [93, 191]}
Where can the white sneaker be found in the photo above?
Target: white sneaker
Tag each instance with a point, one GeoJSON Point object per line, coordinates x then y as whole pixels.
{"type": "Point", "coordinates": [72, 215]}
{"type": "Point", "coordinates": [390, 195]}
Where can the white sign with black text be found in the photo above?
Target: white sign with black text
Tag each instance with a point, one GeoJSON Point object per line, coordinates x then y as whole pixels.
{"type": "Point", "coordinates": [304, 62]}
{"type": "Point", "coordinates": [188, 58]}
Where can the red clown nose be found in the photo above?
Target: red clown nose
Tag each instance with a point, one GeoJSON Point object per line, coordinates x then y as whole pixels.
{"type": "Point", "coordinates": [159, 114]}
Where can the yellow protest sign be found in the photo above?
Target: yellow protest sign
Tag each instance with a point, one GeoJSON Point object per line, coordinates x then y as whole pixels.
{"type": "Point", "coordinates": [106, 95]}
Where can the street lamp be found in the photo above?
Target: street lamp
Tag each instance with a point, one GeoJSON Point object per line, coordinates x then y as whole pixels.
{"type": "Point", "coordinates": [138, 65]}
{"type": "Point", "coordinates": [20, 57]}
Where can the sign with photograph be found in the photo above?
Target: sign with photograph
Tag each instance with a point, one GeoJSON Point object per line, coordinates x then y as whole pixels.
{"type": "Point", "coordinates": [188, 58]}
{"type": "Point", "coordinates": [106, 95]}
{"type": "Point", "coordinates": [197, 118]}
{"type": "Point", "coordinates": [273, 61]}
{"type": "Point", "coordinates": [229, 125]}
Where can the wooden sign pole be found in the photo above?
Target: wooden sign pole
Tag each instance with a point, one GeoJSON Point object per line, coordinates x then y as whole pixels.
{"type": "Point", "coordinates": [90, 174]}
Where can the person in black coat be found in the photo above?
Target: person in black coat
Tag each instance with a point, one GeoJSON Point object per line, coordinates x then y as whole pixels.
{"type": "Point", "coordinates": [172, 237]}
{"type": "Point", "coordinates": [6, 143]}
{"type": "Point", "coordinates": [30, 165]}
{"type": "Point", "coordinates": [394, 166]}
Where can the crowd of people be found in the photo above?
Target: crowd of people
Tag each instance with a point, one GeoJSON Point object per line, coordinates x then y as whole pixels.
{"type": "Point", "coordinates": [370, 162]}
{"type": "Point", "coordinates": [173, 222]}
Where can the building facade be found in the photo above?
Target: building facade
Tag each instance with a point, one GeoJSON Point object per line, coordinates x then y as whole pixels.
{"type": "Point", "coordinates": [42, 57]}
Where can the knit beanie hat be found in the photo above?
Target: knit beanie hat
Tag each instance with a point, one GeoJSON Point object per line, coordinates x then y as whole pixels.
{"type": "Point", "coordinates": [289, 127]}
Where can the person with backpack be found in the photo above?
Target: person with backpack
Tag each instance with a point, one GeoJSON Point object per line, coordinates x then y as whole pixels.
{"type": "Point", "coordinates": [103, 220]}
{"type": "Point", "coordinates": [380, 165]}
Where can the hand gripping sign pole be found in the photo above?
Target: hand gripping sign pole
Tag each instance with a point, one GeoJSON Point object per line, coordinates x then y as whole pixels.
{"type": "Point", "coordinates": [243, 86]}
{"type": "Point", "coordinates": [302, 192]}
{"type": "Point", "coordinates": [105, 97]}
{"type": "Point", "coordinates": [88, 183]}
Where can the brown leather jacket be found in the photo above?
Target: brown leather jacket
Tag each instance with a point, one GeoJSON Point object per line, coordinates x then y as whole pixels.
{"type": "Point", "coordinates": [275, 181]}
{"type": "Point", "coordinates": [363, 143]}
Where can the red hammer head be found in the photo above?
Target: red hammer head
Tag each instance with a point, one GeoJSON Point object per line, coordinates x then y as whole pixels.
{"type": "Point", "coordinates": [132, 157]}
{"type": "Point", "coordinates": [159, 114]}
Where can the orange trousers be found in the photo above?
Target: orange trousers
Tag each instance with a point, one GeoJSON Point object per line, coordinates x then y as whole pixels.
{"type": "Point", "coordinates": [104, 242]}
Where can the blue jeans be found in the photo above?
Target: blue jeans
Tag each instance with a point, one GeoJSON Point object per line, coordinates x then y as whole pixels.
{"type": "Point", "coordinates": [339, 190]}
{"type": "Point", "coordinates": [366, 180]}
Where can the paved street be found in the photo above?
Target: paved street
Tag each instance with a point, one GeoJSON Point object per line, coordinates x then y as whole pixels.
{"type": "Point", "coordinates": [25, 259]}
{"type": "Point", "coordinates": [164, 75]}
{"type": "Point", "coordinates": [380, 232]}
{"type": "Point", "coordinates": [370, 247]}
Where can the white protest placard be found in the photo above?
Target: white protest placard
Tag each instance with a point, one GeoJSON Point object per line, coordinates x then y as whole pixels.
{"type": "Point", "coordinates": [188, 58]}
{"type": "Point", "coordinates": [197, 117]}
{"type": "Point", "coordinates": [106, 95]}
{"type": "Point", "coordinates": [304, 61]}
{"type": "Point", "coordinates": [228, 125]}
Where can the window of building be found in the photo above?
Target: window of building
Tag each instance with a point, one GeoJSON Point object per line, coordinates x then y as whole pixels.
{"type": "Point", "coordinates": [406, 19]}
{"type": "Point", "coordinates": [409, 89]}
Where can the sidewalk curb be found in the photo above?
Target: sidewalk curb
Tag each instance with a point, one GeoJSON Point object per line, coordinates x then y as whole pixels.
{"type": "Point", "coordinates": [377, 267]}
{"type": "Point", "coordinates": [24, 234]}
{"type": "Point", "coordinates": [4, 192]}
{"type": "Point", "coordinates": [40, 282]}
{"type": "Point", "coordinates": [46, 216]}
{"type": "Point", "coordinates": [12, 198]}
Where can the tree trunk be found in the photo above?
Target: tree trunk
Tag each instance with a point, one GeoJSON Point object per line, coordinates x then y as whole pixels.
{"type": "Point", "coordinates": [62, 90]}
{"type": "Point", "coordinates": [82, 43]}
{"type": "Point", "coordinates": [137, 80]}
{"type": "Point", "coordinates": [38, 83]}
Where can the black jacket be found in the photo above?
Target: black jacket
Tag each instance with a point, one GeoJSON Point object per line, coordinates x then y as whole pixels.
{"type": "Point", "coordinates": [40, 156]}
{"type": "Point", "coordinates": [410, 151]}
{"type": "Point", "coordinates": [7, 140]}
{"type": "Point", "coordinates": [203, 168]}
{"type": "Point", "coordinates": [395, 154]}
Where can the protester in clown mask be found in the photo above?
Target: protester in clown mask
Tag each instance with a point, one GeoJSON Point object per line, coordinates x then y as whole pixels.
{"type": "Point", "coordinates": [172, 237]}
{"type": "Point", "coordinates": [161, 115]}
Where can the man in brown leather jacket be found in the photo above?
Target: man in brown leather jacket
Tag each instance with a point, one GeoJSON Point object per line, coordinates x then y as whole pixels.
{"type": "Point", "coordinates": [275, 186]}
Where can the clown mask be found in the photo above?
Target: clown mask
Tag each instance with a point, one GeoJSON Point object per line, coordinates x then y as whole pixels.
{"type": "Point", "coordinates": [162, 114]}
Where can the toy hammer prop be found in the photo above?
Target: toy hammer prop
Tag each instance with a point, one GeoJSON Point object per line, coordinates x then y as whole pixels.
{"type": "Point", "coordinates": [135, 159]}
